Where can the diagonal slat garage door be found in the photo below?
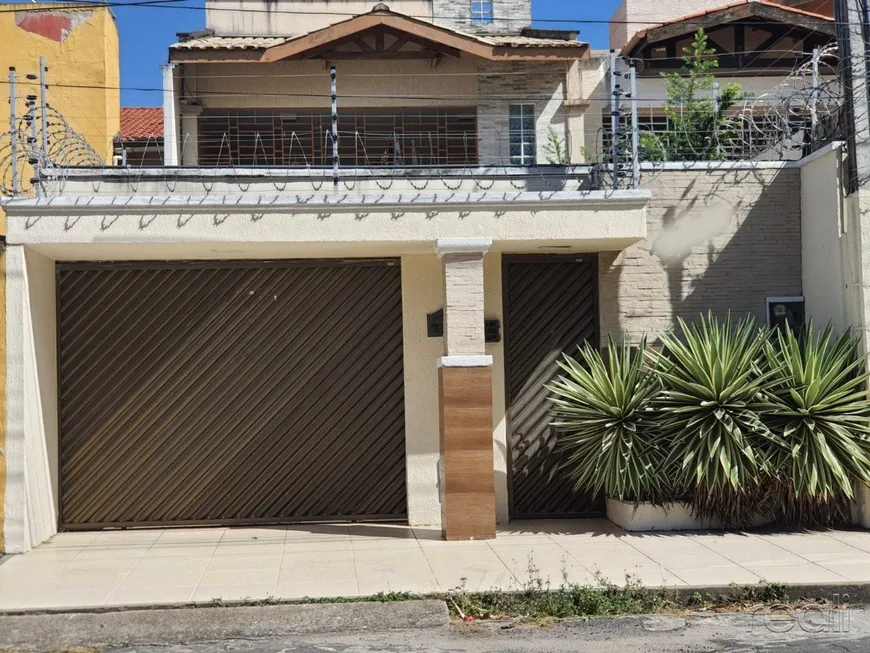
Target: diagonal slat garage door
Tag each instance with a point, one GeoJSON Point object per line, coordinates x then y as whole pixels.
{"type": "Point", "coordinates": [550, 309]}
{"type": "Point", "coordinates": [230, 393]}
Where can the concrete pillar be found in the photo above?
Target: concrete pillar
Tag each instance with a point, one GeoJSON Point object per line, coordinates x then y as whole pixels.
{"type": "Point", "coordinates": [467, 479]}
{"type": "Point", "coordinates": [32, 486]}
{"type": "Point", "coordinates": [575, 106]}
{"type": "Point", "coordinates": [190, 134]}
{"type": "Point", "coordinates": [170, 116]}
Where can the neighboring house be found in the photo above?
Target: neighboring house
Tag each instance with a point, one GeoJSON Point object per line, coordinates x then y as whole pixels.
{"type": "Point", "coordinates": [140, 141]}
{"type": "Point", "coordinates": [758, 44]}
{"type": "Point", "coordinates": [79, 43]}
{"type": "Point", "coordinates": [283, 326]}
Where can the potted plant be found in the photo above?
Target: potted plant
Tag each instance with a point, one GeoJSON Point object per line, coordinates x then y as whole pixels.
{"type": "Point", "coordinates": [712, 413]}
{"type": "Point", "coordinates": [607, 428]}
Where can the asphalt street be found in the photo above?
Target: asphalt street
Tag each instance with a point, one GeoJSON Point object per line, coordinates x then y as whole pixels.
{"type": "Point", "coordinates": [802, 632]}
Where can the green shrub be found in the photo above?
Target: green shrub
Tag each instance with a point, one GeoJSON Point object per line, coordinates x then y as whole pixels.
{"type": "Point", "coordinates": [738, 420]}
{"type": "Point", "coordinates": [603, 413]}
{"type": "Point", "coordinates": [819, 410]}
{"type": "Point", "coordinates": [711, 412]}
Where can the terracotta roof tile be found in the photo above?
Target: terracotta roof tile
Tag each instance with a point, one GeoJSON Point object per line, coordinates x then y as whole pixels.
{"type": "Point", "coordinates": [140, 123]}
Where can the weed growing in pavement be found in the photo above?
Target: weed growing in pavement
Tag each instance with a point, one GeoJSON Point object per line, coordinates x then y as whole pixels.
{"type": "Point", "coordinates": [537, 600]}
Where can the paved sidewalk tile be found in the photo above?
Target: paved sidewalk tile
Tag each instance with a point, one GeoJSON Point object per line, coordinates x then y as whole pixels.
{"type": "Point", "coordinates": [142, 567]}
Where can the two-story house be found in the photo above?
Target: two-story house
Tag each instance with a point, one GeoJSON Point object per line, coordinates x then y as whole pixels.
{"type": "Point", "coordinates": [782, 53]}
{"type": "Point", "coordinates": [342, 296]}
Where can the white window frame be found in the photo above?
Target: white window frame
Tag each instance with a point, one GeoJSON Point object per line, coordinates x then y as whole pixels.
{"type": "Point", "coordinates": [781, 300]}
{"type": "Point", "coordinates": [527, 139]}
{"type": "Point", "coordinates": [482, 11]}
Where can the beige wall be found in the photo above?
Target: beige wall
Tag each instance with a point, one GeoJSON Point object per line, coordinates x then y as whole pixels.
{"type": "Point", "coordinates": [31, 501]}
{"type": "Point", "coordinates": [305, 84]}
{"type": "Point", "coordinates": [289, 17]}
{"type": "Point", "coordinates": [2, 397]}
{"type": "Point", "coordinates": [716, 240]}
{"type": "Point", "coordinates": [825, 241]}
{"type": "Point", "coordinates": [422, 293]}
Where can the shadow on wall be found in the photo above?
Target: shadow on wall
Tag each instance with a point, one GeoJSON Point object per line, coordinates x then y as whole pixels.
{"type": "Point", "coordinates": [718, 240]}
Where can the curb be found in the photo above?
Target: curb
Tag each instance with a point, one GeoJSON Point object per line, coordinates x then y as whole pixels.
{"type": "Point", "coordinates": [846, 592]}
{"type": "Point", "coordinates": [162, 626]}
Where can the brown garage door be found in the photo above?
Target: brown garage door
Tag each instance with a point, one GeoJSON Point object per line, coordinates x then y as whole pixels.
{"type": "Point", "coordinates": [550, 309]}
{"type": "Point", "coordinates": [230, 393]}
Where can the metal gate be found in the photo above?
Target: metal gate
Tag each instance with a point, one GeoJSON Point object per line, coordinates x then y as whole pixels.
{"type": "Point", "coordinates": [236, 392]}
{"type": "Point", "coordinates": [551, 307]}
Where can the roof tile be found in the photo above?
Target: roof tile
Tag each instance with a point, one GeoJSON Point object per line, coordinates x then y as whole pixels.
{"type": "Point", "coordinates": [139, 123]}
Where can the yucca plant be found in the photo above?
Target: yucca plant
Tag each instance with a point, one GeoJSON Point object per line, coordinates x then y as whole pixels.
{"type": "Point", "coordinates": [712, 408]}
{"type": "Point", "coordinates": [602, 413]}
{"type": "Point", "coordinates": [821, 413]}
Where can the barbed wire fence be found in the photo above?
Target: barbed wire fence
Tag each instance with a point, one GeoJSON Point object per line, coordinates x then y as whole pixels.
{"type": "Point", "coordinates": [40, 138]}
{"type": "Point", "coordinates": [803, 112]}
{"type": "Point", "coordinates": [800, 114]}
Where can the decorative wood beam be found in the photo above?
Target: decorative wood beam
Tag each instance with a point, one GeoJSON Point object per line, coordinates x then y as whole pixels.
{"type": "Point", "coordinates": [445, 40]}
{"type": "Point", "coordinates": [363, 46]}
{"type": "Point", "coordinates": [398, 44]}
{"type": "Point", "coordinates": [382, 55]}
{"type": "Point", "coordinates": [787, 17]}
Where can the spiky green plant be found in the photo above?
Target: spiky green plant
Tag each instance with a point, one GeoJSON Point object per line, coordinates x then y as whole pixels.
{"type": "Point", "coordinates": [711, 411]}
{"type": "Point", "coordinates": [602, 414]}
{"type": "Point", "coordinates": [820, 409]}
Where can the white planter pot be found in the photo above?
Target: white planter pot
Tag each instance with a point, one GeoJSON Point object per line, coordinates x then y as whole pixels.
{"type": "Point", "coordinates": [670, 517]}
{"type": "Point", "coordinates": [647, 517]}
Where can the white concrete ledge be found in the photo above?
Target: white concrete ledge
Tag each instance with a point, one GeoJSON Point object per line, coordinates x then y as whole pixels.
{"type": "Point", "coordinates": [462, 246]}
{"type": "Point", "coordinates": [465, 361]}
{"type": "Point", "coordinates": [192, 204]}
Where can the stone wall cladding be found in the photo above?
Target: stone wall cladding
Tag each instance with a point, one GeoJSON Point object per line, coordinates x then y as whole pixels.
{"type": "Point", "coordinates": [717, 240]}
{"type": "Point", "coordinates": [463, 305]}
{"type": "Point", "coordinates": [509, 16]}
{"type": "Point", "coordinates": [503, 84]}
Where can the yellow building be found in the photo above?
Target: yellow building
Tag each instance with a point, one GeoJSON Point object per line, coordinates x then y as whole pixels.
{"type": "Point", "coordinates": [80, 45]}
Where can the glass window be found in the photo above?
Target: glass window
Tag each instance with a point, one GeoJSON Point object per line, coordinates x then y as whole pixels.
{"type": "Point", "coordinates": [521, 119]}
{"type": "Point", "coordinates": [481, 11]}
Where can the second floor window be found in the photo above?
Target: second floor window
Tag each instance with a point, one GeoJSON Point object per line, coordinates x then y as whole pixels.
{"type": "Point", "coordinates": [481, 11]}
{"type": "Point", "coordinates": [521, 125]}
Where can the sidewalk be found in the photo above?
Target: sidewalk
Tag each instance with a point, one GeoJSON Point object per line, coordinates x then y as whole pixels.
{"type": "Point", "coordinates": [169, 566]}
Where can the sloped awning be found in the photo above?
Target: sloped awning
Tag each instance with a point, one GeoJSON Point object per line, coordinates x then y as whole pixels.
{"type": "Point", "coordinates": [380, 34]}
{"type": "Point", "coordinates": [734, 12]}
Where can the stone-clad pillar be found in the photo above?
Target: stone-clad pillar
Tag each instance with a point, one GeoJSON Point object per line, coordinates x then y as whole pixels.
{"type": "Point", "coordinates": [467, 481]}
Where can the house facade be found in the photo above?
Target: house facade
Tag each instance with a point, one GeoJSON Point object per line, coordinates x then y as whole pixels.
{"type": "Point", "coordinates": [343, 295]}
{"type": "Point", "coordinates": [781, 53]}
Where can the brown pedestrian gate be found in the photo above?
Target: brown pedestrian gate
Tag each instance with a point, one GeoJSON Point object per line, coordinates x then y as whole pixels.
{"type": "Point", "coordinates": [550, 305]}
{"type": "Point", "coordinates": [230, 392]}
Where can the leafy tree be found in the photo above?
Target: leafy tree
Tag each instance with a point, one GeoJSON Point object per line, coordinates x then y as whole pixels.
{"type": "Point", "coordinates": [696, 128]}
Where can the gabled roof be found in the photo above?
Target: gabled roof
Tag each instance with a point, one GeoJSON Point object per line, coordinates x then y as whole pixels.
{"type": "Point", "coordinates": [492, 47]}
{"type": "Point", "coordinates": [141, 123]}
{"type": "Point", "coordinates": [741, 10]}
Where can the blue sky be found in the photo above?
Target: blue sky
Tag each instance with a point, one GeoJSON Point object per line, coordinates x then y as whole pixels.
{"type": "Point", "coordinates": [146, 32]}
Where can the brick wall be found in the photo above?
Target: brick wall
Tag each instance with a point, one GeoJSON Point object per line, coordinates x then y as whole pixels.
{"type": "Point", "coordinates": [718, 240]}
{"type": "Point", "coordinates": [509, 16]}
{"type": "Point", "coordinates": [503, 84]}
